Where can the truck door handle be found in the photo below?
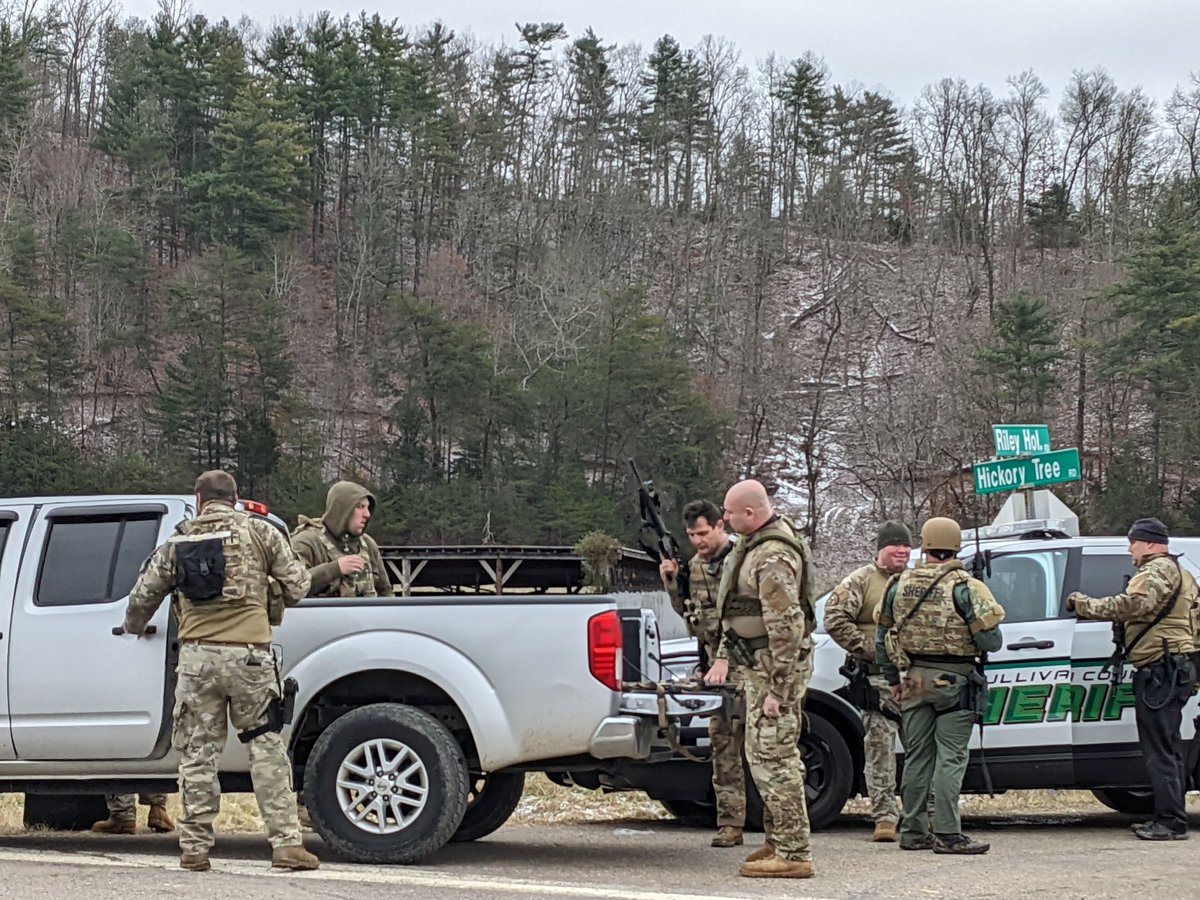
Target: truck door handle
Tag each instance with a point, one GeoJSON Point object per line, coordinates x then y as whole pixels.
{"type": "Point", "coordinates": [1031, 645]}
{"type": "Point", "coordinates": [119, 630]}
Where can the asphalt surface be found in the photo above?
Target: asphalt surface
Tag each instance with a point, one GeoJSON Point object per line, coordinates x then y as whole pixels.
{"type": "Point", "coordinates": [1033, 856]}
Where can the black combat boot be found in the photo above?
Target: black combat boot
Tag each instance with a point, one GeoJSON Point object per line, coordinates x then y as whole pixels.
{"type": "Point", "coordinates": [959, 844]}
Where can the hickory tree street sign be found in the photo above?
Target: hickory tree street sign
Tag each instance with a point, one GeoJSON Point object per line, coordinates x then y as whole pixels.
{"type": "Point", "coordinates": [1021, 440]}
{"type": "Point", "coordinates": [1027, 472]}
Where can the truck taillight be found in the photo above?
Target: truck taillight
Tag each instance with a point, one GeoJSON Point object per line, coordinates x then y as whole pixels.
{"type": "Point", "coordinates": [604, 649]}
{"type": "Point", "coordinates": [253, 506]}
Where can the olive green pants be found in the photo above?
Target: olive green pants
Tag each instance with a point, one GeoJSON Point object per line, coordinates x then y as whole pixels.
{"type": "Point", "coordinates": [936, 734]}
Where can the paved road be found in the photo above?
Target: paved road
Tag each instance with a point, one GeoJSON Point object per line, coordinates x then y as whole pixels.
{"type": "Point", "coordinates": [1033, 856]}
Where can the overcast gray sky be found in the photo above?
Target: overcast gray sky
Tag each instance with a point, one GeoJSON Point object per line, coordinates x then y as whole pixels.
{"type": "Point", "coordinates": [897, 45]}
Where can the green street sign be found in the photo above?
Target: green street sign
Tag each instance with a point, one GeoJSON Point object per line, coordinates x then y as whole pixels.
{"type": "Point", "coordinates": [1027, 472]}
{"type": "Point", "coordinates": [1021, 440]}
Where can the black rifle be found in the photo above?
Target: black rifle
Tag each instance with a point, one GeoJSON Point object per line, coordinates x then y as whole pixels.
{"type": "Point", "coordinates": [1115, 666]}
{"type": "Point", "coordinates": [858, 690]}
{"type": "Point", "coordinates": [976, 699]}
{"type": "Point", "coordinates": [662, 544]}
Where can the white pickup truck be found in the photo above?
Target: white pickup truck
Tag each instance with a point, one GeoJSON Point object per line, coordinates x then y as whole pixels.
{"type": "Point", "coordinates": [415, 720]}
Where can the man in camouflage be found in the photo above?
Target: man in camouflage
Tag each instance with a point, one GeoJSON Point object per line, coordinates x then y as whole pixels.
{"type": "Point", "coordinates": [1158, 609]}
{"type": "Point", "coordinates": [217, 565]}
{"type": "Point", "coordinates": [765, 606]}
{"type": "Point", "coordinates": [934, 622]}
{"type": "Point", "coordinates": [850, 620]}
{"type": "Point", "coordinates": [695, 600]}
{"type": "Point", "coordinates": [342, 559]}
{"type": "Point", "coordinates": [122, 814]}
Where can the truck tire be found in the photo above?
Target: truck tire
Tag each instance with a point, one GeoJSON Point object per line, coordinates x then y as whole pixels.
{"type": "Point", "coordinates": [828, 781]}
{"type": "Point", "coordinates": [828, 777]}
{"type": "Point", "coordinates": [492, 800]}
{"type": "Point", "coordinates": [1134, 802]}
{"type": "Point", "coordinates": [386, 783]}
{"type": "Point", "coordinates": [64, 812]}
{"type": "Point", "coordinates": [829, 767]}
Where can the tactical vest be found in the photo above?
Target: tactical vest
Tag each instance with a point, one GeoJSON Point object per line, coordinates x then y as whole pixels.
{"type": "Point", "coordinates": [700, 607]}
{"type": "Point", "coordinates": [731, 603]}
{"type": "Point", "coordinates": [936, 628]}
{"type": "Point", "coordinates": [355, 584]}
{"type": "Point", "coordinates": [875, 582]}
{"type": "Point", "coordinates": [1177, 627]}
{"type": "Point", "coordinates": [225, 535]}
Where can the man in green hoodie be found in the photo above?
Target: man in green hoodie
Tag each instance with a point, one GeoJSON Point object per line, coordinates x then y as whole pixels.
{"type": "Point", "coordinates": [342, 559]}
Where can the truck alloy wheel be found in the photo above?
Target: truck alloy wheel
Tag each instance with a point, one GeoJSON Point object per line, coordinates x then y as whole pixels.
{"type": "Point", "coordinates": [386, 783]}
{"type": "Point", "coordinates": [382, 786]}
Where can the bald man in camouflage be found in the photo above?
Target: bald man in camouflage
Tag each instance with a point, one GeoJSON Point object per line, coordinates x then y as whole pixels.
{"type": "Point", "coordinates": [765, 605]}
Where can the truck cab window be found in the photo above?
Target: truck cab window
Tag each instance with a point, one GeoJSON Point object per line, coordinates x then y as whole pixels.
{"type": "Point", "coordinates": [94, 559]}
{"type": "Point", "coordinates": [1028, 585]}
{"type": "Point", "coordinates": [1102, 575]}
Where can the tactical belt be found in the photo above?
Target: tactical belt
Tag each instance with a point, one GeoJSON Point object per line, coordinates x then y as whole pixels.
{"type": "Point", "coordinates": [941, 659]}
{"type": "Point", "coordinates": [249, 645]}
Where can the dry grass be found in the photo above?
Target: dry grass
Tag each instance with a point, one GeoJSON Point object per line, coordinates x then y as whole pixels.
{"type": "Point", "coordinates": [546, 803]}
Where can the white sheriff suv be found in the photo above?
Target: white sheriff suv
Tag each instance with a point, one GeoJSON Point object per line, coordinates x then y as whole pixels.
{"type": "Point", "coordinates": [1055, 718]}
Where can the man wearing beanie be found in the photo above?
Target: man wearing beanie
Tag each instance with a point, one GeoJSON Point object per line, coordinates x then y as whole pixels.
{"type": "Point", "coordinates": [850, 620]}
{"type": "Point", "coordinates": [1156, 610]}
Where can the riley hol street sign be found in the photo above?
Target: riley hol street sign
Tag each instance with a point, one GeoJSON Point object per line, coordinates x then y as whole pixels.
{"type": "Point", "coordinates": [1021, 440]}
{"type": "Point", "coordinates": [1027, 472]}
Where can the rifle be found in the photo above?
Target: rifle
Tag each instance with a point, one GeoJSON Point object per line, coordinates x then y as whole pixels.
{"type": "Point", "coordinates": [663, 545]}
{"type": "Point", "coordinates": [977, 683]}
{"type": "Point", "coordinates": [1114, 667]}
{"type": "Point", "coordinates": [858, 690]}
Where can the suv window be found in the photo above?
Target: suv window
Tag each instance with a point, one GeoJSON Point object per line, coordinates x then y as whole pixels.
{"type": "Point", "coordinates": [1102, 575]}
{"type": "Point", "coordinates": [4, 525]}
{"type": "Point", "coordinates": [1028, 585]}
{"type": "Point", "coordinates": [94, 559]}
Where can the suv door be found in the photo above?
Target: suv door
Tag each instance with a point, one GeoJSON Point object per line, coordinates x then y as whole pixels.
{"type": "Point", "coordinates": [76, 690]}
{"type": "Point", "coordinates": [1103, 731]}
{"type": "Point", "coordinates": [1029, 677]}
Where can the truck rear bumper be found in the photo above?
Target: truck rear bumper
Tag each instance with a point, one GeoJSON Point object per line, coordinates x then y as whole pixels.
{"type": "Point", "coordinates": [630, 734]}
{"type": "Point", "coordinates": [622, 737]}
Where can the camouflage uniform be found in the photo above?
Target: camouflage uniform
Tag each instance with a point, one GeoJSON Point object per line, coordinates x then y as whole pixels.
{"type": "Point", "coordinates": [1164, 677]}
{"type": "Point", "coordinates": [728, 736]}
{"type": "Point", "coordinates": [320, 543]}
{"type": "Point", "coordinates": [225, 667]}
{"type": "Point", "coordinates": [850, 620]}
{"type": "Point", "coordinates": [765, 600]}
{"type": "Point", "coordinates": [931, 649]}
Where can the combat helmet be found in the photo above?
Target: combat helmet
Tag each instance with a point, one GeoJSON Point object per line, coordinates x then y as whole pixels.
{"type": "Point", "coordinates": [941, 533]}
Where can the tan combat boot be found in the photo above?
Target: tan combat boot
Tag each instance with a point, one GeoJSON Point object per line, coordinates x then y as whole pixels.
{"type": "Point", "coordinates": [727, 836]}
{"type": "Point", "coordinates": [885, 833]}
{"type": "Point", "coordinates": [158, 820]}
{"type": "Point", "coordinates": [766, 851]}
{"type": "Point", "coordinates": [776, 866]}
{"type": "Point", "coordinates": [195, 860]}
{"type": "Point", "coordinates": [115, 826]}
{"type": "Point", "coordinates": [295, 857]}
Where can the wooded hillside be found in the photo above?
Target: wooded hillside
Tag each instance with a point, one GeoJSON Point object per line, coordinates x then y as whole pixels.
{"type": "Point", "coordinates": [480, 278]}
